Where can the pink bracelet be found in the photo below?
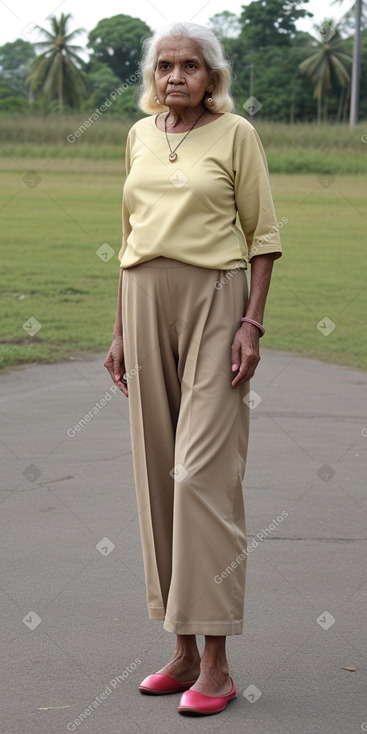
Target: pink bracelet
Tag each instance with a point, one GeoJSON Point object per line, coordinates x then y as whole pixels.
{"type": "Point", "coordinates": [255, 323]}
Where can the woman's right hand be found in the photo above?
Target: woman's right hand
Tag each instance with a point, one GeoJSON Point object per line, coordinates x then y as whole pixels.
{"type": "Point", "coordinates": [115, 363]}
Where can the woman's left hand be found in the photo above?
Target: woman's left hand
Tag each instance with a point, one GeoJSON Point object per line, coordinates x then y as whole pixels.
{"type": "Point", "coordinates": [245, 353]}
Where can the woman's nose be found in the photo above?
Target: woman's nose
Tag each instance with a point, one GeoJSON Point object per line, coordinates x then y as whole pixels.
{"type": "Point", "coordinates": [175, 75]}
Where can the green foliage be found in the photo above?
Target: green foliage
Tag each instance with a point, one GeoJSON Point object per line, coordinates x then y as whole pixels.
{"type": "Point", "coordinates": [5, 90]}
{"type": "Point", "coordinates": [13, 104]}
{"type": "Point", "coordinates": [273, 74]}
{"type": "Point", "coordinates": [100, 81]}
{"type": "Point", "coordinates": [15, 59]}
{"type": "Point", "coordinates": [126, 104]}
{"type": "Point", "coordinates": [9, 103]}
{"type": "Point", "coordinates": [15, 55]}
{"type": "Point", "coordinates": [117, 42]}
{"type": "Point", "coordinates": [55, 74]}
{"type": "Point", "coordinates": [272, 77]}
{"type": "Point", "coordinates": [269, 23]}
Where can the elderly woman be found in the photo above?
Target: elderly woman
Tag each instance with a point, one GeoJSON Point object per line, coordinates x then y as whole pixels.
{"type": "Point", "coordinates": [197, 207]}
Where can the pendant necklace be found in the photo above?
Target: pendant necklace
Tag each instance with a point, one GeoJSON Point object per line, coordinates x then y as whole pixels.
{"type": "Point", "coordinates": [173, 155]}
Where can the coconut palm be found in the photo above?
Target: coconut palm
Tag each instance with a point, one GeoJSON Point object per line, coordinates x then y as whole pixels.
{"type": "Point", "coordinates": [55, 72]}
{"type": "Point", "coordinates": [327, 66]}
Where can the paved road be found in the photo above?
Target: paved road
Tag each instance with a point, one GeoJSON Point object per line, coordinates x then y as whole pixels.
{"type": "Point", "coordinates": [75, 634]}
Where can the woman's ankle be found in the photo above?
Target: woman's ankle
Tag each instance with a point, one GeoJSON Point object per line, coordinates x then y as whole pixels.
{"type": "Point", "coordinates": [216, 669]}
{"type": "Point", "coordinates": [214, 657]}
{"type": "Point", "coordinates": [187, 649]}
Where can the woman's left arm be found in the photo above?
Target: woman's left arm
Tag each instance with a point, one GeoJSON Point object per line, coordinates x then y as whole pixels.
{"type": "Point", "coordinates": [259, 224]}
{"type": "Point", "coordinates": [245, 350]}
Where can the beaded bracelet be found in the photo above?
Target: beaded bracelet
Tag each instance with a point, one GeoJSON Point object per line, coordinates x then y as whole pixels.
{"type": "Point", "coordinates": [255, 323]}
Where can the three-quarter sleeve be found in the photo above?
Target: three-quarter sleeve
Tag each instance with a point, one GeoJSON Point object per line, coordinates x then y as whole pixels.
{"type": "Point", "coordinates": [253, 196]}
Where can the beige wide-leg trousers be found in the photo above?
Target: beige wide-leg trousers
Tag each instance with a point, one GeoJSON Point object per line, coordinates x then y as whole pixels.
{"type": "Point", "coordinates": [189, 433]}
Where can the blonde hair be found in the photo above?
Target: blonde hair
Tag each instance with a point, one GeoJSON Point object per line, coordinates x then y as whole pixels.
{"type": "Point", "coordinates": [213, 55]}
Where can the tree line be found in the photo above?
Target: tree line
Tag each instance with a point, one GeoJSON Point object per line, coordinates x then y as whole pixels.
{"type": "Point", "coordinates": [286, 74]}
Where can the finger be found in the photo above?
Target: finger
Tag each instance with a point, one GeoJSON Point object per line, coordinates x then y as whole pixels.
{"type": "Point", "coordinates": [123, 387]}
{"type": "Point", "coordinates": [235, 357]}
{"type": "Point", "coordinates": [245, 373]}
{"type": "Point", "coordinates": [118, 365]}
{"type": "Point", "coordinates": [238, 378]}
{"type": "Point", "coordinates": [115, 366]}
{"type": "Point", "coordinates": [241, 379]}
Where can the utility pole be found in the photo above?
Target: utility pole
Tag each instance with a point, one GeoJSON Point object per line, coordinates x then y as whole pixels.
{"type": "Point", "coordinates": [356, 70]}
{"type": "Point", "coordinates": [251, 67]}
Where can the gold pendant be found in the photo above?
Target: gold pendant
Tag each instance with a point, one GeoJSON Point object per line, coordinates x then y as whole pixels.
{"type": "Point", "coordinates": [172, 157]}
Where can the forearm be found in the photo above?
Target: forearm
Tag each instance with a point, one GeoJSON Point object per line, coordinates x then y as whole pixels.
{"type": "Point", "coordinates": [117, 329]}
{"type": "Point", "coordinates": [261, 270]}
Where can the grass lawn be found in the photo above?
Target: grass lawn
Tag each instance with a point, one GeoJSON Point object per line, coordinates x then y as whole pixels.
{"type": "Point", "coordinates": [53, 222]}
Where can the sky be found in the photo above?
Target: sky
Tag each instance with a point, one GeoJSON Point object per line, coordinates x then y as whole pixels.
{"type": "Point", "coordinates": [18, 17]}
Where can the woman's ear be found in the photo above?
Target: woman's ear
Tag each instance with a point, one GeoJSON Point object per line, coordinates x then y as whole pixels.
{"type": "Point", "coordinates": [212, 83]}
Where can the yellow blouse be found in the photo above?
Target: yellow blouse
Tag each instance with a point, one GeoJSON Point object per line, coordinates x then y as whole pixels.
{"type": "Point", "coordinates": [211, 208]}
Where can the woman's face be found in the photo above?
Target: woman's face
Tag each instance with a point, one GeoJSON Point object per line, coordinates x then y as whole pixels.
{"type": "Point", "coordinates": [181, 76]}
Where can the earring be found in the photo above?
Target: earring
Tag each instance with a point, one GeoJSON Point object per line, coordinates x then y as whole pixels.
{"type": "Point", "coordinates": [209, 100]}
{"type": "Point", "coordinates": [156, 100]}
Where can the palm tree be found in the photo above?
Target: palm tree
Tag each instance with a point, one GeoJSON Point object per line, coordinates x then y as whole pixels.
{"type": "Point", "coordinates": [55, 72]}
{"type": "Point", "coordinates": [325, 67]}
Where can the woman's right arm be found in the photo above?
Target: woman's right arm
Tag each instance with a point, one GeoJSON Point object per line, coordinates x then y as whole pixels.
{"type": "Point", "coordinates": [115, 361]}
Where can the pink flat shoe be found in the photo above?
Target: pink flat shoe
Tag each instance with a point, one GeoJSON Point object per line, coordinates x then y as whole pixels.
{"type": "Point", "coordinates": [193, 702]}
{"type": "Point", "coordinates": [159, 684]}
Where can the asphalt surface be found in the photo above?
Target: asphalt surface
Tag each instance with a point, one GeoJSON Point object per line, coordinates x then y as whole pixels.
{"type": "Point", "coordinates": [75, 635]}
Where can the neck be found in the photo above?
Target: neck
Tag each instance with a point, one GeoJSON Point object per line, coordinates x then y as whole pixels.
{"type": "Point", "coordinates": [179, 117]}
